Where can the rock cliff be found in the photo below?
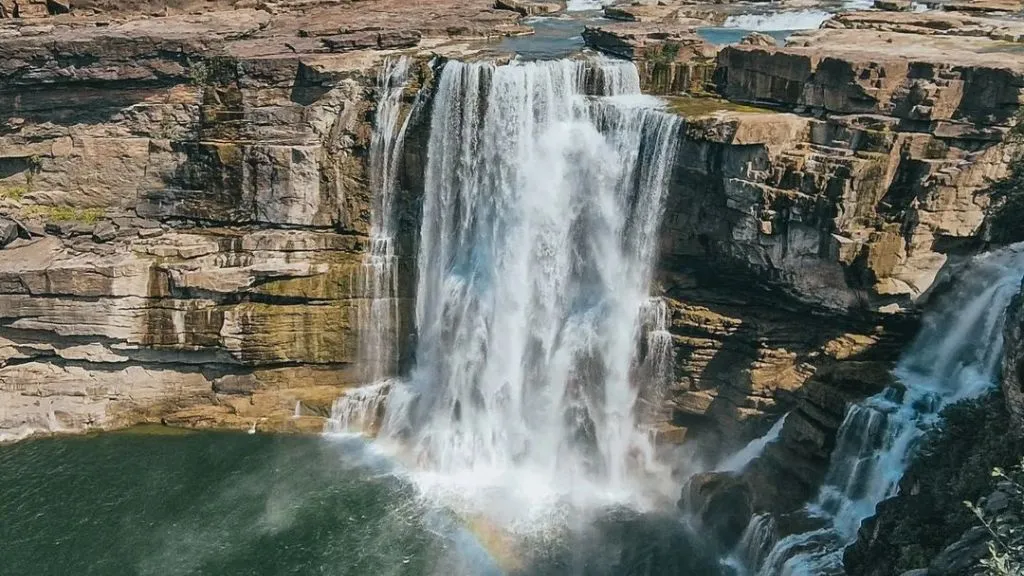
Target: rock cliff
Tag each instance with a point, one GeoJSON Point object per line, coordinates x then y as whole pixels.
{"type": "Point", "coordinates": [188, 205]}
{"type": "Point", "coordinates": [816, 203]}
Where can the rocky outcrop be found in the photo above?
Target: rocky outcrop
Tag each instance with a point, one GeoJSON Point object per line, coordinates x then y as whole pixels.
{"type": "Point", "coordinates": [1013, 364]}
{"type": "Point", "coordinates": [813, 210]}
{"type": "Point", "coordinates": [721, 503]}
{"type": "Point", "coordinates": [191, 197]}
{"type": "Point", "coordinates": [926, 526]}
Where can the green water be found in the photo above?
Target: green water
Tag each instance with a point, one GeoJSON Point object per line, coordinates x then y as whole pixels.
{"type": "Point", "coordinates": [237, 504]}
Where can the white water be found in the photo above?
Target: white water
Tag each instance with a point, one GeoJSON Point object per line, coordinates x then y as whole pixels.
{"type": "Point", "coordinates": [778, 21]}
{"type": "Point", "coordinates": [378, 310]}
{"type": "Point", "coordinates": [955, 356]}
{"type": "Point", "coordinates": [585, 5]}
{"type": "Point", "coordinates": [536, 336]}
{"type": "Point", "coordinates": [740, 460]}
{"type": "Point", "coordinates": [360, 410]}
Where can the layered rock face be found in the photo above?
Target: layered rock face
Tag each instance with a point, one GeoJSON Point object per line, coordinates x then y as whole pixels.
{"type": "Point", "coordinates": [813, 210]}
{"type": "Point", "coordinates": [193, 205]}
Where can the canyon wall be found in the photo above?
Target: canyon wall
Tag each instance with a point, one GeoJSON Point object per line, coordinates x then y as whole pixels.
{"type": "Point", "coordinates": [836, 182]}
{"type": "Point", "coordinates": [187, 208]}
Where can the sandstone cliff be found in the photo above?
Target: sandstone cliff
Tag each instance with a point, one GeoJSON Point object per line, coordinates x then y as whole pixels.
{"type": "Point", "coordinates": [191, 206]}
{"type": "Point", "coordinates": [190, 189]}
{"type": "Point", "coordinates": [815, 205]}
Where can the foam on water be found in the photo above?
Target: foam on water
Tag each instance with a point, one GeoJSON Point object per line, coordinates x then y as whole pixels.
{"type": "Point", "coordinates": [585, 5]}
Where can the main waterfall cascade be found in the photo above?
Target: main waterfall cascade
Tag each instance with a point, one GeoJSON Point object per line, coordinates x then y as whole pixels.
{"type": "Point", "coordinates": [540, 355]}
{"type": "Point", "coordinates": [955, 356]}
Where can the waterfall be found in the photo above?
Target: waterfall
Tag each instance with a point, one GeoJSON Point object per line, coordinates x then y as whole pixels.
{"type": "Point", "coordinates": [360, 410]}
{"type": "Point", "coordinates": [756, 542]}
{"type": "Point", "coordinates": [778, 21]}
{"type": "Point", "coordinates": [741, 459]}
{"type": "Point", "coordinates": [378, 309]}
{"type": "Point", "coordinates": [653, 364]}
{"type": "Point", "coordinates": [544, 190]}
{"type": "Point", "coordinates": [955, 356]}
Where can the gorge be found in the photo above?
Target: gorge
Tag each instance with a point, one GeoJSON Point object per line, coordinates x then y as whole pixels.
{"type": "Point", "coordinates": [639, 303]}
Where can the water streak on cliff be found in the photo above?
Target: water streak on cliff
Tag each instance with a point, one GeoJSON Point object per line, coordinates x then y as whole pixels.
{"type": "Point", "coordinates": [955, 356]}
{"type": "Point", "coordinates": [378, 313]}
{"type": "Point", "coordinates": [544, 191]}
{"type": "Point", "coordinates": [742, 458]}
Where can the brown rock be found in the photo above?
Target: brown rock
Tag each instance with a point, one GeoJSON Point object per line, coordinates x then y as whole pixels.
{"type": "Point", "coordinates": [104, 232]}
{"type": "Point", "coordinates": [528, 8]}
{"type": "Point", "coordinates": [758, 39]}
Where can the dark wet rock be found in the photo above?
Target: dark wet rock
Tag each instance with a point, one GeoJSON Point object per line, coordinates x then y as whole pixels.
{"type": "Point", "coordinates": [8, 231]}
{"type": "Point", "coordinates": [722, 502]}
{"type": "Point", "coordinates": [894, 5]}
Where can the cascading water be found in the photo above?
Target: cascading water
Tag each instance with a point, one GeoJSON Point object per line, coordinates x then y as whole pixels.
{"type": "Point", "coordinates": [739, 461]}
{"type": "Point", "coordinates": [378, 310]}
{"type": "Point", "coordinates": [778, 21]}
{"type": "Point", "coordinates": [544, 190]}
{"type": "Point", "coordinates": [955, 356]}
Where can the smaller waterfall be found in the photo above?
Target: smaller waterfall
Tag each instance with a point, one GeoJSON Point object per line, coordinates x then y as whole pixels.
{"type": "Point", "coordinates": [778, 21]}
{"type": "Point", "coordinates": [360, 410]}
{"type": "Point", "coordinates": [378, 314]}
{"type": "Point", "coordinates": [955, 356]}
{"type": "Point", "coordinates": [755, 544]}
{"type": "Point", "coordinates": [740, 460]}
{"type": "Point", "coordinates": [653, 367]}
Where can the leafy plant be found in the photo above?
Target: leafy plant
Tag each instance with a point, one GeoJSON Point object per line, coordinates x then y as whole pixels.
{"type": "Point", "coordinates": [1006, 546]}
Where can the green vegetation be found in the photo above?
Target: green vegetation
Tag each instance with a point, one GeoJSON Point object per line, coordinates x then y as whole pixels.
{"type": "Point", "coordinates": [198, 73]}
{"type": "Point", "coordinates": [66, 214]}
{"type": "Point", "coordinates": [666, 55]}
{"type": "Point", "coordinates": [1006, 547]}
{"type": "Point", "coordinates": [15, 193]}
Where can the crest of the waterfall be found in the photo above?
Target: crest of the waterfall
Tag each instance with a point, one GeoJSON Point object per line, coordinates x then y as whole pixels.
{"type": "Point", "coordinates": [536, 336]}
{"type": "Point", "coordinates": [955, 356]}
{"type": "Point", "coordinates": [378, 308]}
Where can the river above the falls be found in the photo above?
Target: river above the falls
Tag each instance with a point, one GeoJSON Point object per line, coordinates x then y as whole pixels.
{"type": "Point", "coordinates": [176, 503]}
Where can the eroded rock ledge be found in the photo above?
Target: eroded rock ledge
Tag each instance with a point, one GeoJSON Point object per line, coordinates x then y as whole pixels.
{"type": "Point", "coordinates": [193, 196]}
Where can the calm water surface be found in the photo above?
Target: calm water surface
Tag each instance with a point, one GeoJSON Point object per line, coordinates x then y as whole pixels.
{"type": "Point", "coordinates": [235, 504]}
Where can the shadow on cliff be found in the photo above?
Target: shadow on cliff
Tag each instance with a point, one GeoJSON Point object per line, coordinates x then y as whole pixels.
{"type": "Point", "coordinates": [747, 353]}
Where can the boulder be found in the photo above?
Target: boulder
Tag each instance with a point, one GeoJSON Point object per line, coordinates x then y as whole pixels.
{"type": "Point", "coordinates": [758, 39]}
{"type": "Point", "coordinates": [8, 231]}
{"type": "Point", "coordinates": [55, 7]}
{"type": "Point", "coordinates": [528, 8]}
{"type": "Point", "coordinates": [961, 555]}
{"type": "Point", "coordinates": [104, 232]}
{"type": "Point", "coordinates": [722, 502]}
